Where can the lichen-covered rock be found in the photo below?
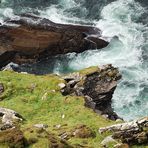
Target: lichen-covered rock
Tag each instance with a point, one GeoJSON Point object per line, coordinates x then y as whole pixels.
{"type": "Point", "coordinates": [97, 85]}
{"type": "Point", "coordinates": [9, 118]}
{"type": "Point", "coordinates": [134, 132]}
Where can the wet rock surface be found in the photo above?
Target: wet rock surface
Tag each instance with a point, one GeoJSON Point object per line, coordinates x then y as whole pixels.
{"type": "Point", "coordinates": [97, 87]}
{"type": "Point", "coordinates": [134, 132]}
{"type": "Point", "coordinates": [30, 38]}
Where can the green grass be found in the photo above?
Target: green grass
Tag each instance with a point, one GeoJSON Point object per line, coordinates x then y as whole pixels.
{"type": "Point", "coordinates": [38, 100]}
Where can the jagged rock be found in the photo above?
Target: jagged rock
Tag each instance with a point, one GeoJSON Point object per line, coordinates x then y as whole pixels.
{"type": "Point", "coordinates": [9, 117]}
{"type": "Point", "coordinates": [134, 132]}
{"type": "Point", "coordinates": [10, 67]}
{"type": "Point", "coordinates": [97, 87]}
{"type": "Point", "coordinates": [1, 88]}
{"type": "Point", "coordinates": [31, 38]}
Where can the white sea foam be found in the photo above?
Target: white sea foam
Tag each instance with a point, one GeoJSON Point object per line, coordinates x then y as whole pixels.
{"type": "Point", "coordinates": [120, 19]}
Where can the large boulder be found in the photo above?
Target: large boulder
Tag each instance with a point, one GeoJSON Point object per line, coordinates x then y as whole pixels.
{"type": "Point", "coordinates": [30, 38]}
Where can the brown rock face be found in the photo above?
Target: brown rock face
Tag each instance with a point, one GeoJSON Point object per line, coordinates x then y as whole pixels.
{"type": "Point", "coordinates": [31, 38]}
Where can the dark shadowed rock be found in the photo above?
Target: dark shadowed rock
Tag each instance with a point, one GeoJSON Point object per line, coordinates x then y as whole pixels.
{"type": "Point", "coordinates": [31, 38]}
{"type": "Point", "coordinates": [97, 85]}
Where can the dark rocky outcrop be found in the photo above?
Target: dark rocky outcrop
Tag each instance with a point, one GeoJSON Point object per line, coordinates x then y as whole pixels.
{"type": "Point", "coordinates": [97, 85]}
{"type": "Point", "coordinates": [31, 38]}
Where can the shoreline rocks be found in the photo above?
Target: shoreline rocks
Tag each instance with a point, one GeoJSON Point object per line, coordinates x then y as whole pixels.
{"type": "Point", "coordinates": [31, 38]}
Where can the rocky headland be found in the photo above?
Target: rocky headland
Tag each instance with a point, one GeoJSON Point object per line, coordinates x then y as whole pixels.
{"type": "Point", "coordinates": [59, 111]}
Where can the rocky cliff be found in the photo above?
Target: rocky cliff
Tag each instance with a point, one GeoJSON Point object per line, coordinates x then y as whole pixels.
{"type": "Point", "coordinates": [30, 38]}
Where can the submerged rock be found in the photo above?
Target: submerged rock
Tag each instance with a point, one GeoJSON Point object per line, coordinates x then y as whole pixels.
{"type": "Point", "coordinates": [31, 38]}
{"type": "Point", "coordinates": [97, 85]}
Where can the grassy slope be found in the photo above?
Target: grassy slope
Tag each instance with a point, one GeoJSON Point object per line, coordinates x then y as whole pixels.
{"type": "Point", "coordinates": [37, 107]}
{"type": "Point", "coordinates": [38, 100]}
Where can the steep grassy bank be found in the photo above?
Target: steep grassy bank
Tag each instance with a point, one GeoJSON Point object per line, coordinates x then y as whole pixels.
{"type": "Point", "coordinates": [38, 100]}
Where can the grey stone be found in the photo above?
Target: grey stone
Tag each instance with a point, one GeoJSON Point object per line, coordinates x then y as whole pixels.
{"type": "Point", "coordinates": [41, 125]}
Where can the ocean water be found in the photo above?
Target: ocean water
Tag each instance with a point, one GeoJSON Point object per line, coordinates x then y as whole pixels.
{"type": "Point", "coordinates": [124, 21]}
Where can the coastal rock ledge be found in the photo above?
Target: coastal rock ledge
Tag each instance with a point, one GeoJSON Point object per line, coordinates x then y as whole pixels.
{"type": "Point", "coordinates": [29, 38]}
{"type": "Point", "coordinates": [97, 86]}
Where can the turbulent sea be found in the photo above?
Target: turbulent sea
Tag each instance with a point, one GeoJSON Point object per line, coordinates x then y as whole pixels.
{"type": "Point", "coordinates": [124, 21]}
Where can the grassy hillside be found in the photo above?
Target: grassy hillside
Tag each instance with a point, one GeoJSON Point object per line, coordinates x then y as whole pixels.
{"type": "Point", "coordinates": [39, 101]}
